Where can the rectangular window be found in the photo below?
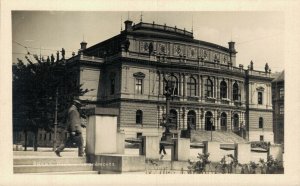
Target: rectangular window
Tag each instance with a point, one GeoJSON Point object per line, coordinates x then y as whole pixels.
{"type": "Point", "coordinates": [112, 86]}
{"type": "Point", "coordinates": [139, 86]}
{"type": "Point", "coordinates": [281, 109]}
{"type": "Point", "coordinates": [281, 93]}
{"type": "Point", "coordinates": [260, 98]}
{"type": "Point", "coordinates": [139, 135]}
{"type": "Point", "coordinates": [261, 138]}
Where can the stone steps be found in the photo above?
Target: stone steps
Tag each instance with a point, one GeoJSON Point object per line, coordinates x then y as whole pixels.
{"type": "Point", "coordinates": [219, 136]}
{"type": "Point", "coordinates": [52, 168]}
{"type": "Point", "coordinates": [48, 161]}
{"type": "Point", "coordinates": [45, 161]}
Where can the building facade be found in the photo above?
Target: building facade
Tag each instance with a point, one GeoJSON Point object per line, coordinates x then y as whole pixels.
{"type": "Point", "coordinates": [210, 91]}
{"type": "Point", "coordinates": [278, 107]}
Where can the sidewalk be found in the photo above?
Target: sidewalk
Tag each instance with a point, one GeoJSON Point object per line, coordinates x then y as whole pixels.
{"type": "Point", "coordinates": [72, 152]}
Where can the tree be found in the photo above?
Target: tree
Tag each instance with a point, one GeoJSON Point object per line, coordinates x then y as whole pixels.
{"type": "Point", "coordinates": [35, 87]}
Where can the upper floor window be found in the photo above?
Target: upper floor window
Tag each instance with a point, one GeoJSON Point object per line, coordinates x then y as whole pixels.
{"type": "Point", "coordinates": [139, 117]}
{"type": "Point", "coordinates": [261, 123]}
{"type": "Point", "coordinates": [235, 91]}
{"type": "Point", "coordinates": [281, 109]}
{"type": "Point", "coordinates": [112, 86]}
{"type": "Point", "coordinates": [209, 88]}
{"type": "Point", "coordinates": [139, 77]}
{"type": "Point", "coordinates": [281, 92]}
{"type": "Point", "coordinates": [139, 86]}
{"type": "Point", "coordinates": [260, 98]}
{"type": "Point", "coordinates": [223, 89]}
{"type": "Point", "coordinates": [174, 85]}
{"type": "Point", "coordinates": [191, 87]}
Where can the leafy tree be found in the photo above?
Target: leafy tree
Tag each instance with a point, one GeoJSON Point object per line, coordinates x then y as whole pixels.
{"type": "Point", "coordinates": [35, 88]}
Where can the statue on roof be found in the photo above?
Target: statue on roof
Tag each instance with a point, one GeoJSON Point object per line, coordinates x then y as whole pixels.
{"type": "Point", "coordinates": [267, 68]}
{"type": "Point", "coordinates": [251, 65]}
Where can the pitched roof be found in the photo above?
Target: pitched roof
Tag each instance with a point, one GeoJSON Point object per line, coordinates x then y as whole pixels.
{"type": "Point", "coordinates": [278, 76]}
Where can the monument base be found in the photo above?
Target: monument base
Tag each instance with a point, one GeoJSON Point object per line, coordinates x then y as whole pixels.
{"type": "Point", "coordinates": [118, 163]}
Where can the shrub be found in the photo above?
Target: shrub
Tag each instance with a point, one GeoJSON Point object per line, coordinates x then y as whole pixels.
{"type": "Point", "coordinates": [199, 166]}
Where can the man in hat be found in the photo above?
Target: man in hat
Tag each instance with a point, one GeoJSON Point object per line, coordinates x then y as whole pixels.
{"type": "Point", "coordinates": [74, 129]}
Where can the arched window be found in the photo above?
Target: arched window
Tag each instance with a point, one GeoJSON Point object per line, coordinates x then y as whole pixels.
{"type": "Point", "coordinates": [173, 119]}
{"type": "Point", "coordinates": [209, 88]}
{"type": "Point", "coordinates": [223, 89]}
{"type": "Point", "coordinates": [174, 84]}
{"type": "Point", "coordinates": [236, 122]}
{"type": "Point", "coordinates": [139, 117]}
{"type": "Point", "coordinates": [191, 87]}
{"type": "Point", "coordinates": [209, 125]}
{"type": "Point", "coordinates": [191, 120]}
{"type": "Point", "coordinates": [261, 123]}
{"type": "Point", "coordinates": [235, 91]}
{"type": "Point", "coordinates": [223, 121]}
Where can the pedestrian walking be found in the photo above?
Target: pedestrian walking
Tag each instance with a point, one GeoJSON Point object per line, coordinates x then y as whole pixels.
{"type": "Point", "coordinates": [162, 146]}
{"type": "Point", "coordinates": [74, 129]}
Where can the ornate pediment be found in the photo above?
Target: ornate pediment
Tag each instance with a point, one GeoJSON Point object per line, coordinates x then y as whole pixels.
{"type": "Point", "coordinates": [139, 75]}
{"type": "Point", "coordinates": [260, 88]}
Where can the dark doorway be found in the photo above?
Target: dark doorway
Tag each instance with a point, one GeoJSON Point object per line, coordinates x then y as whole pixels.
{"type": "Point", "coordinates": [191, 120]}
{"type": "Point", "coordinates": [209, 121]}
{"type": "Point", "coordinates": [173, 119]}
{"type": "Point", "coordinates": [223, 121]}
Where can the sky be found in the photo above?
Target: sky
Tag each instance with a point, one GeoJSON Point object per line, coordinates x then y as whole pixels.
{"type": "Point", "coordinates": [259, 36]}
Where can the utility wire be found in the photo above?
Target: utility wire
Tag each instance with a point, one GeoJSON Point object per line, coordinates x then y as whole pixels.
{"type": "Point", "coordinates": [259, 38]}
{"type": "Point", "coordinates": [26, 47]}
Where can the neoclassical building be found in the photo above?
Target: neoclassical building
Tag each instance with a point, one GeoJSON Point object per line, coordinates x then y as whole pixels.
{"type": "Point", "coordinates": [211, 92]}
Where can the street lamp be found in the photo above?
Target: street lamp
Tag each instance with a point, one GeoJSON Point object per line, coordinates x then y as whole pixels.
{"type": "Point", "coordinates": [55, 120]}
{"type": "Point", "coordinates": [211, 127]}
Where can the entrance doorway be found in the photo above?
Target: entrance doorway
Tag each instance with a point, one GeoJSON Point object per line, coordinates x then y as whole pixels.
{"type": "Point", "coordinates": [223, 121]}
{"type": "Point", "coordinates": [173, 119]}
{"type": "Point", "coordinates": [209, 121]}
{"type": "Point", "coordinates": [191, 120]}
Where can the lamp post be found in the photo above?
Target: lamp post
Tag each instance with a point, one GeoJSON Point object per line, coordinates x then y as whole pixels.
{"type": "Point", "coordinates": [211, 127]}
{"type": "Point", "coordinates": [55, 120]}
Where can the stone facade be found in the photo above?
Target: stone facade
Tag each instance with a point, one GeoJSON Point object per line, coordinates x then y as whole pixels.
{"type": "Point", "coordinates": [278, 107]}
{"type": "Point", "coordinates": [210, 92]}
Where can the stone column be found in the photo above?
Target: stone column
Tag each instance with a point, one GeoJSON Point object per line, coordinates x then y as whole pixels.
{"type": "Point", "coordinates": [199, 87]}
{"type": "Point", "coordinates": [215, 87]}
{"type": "Point", "coordinates": [241, 90]}
{"type": "Point", "coordinates": [184, 85]}
{"type": "Point", "coordinates": [184, 120]}
{"type": "Point", "coordinates": [229, 89]}
{"type": "Point", "coordinates": [161, 81]}
{"type": "Point", "coordinates": [202, 88]}
{"type": "Point", "coordinates": [181, 84]}
{"type": "Point", "coordinates": [218, 88]}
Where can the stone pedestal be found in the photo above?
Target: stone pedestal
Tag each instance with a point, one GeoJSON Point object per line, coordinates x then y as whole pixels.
{"type": "Point", "coordinates": [243, 152]}
{"type": "Point", "coordinates": [150, 147]}
{"type": "Point", "coordinates": [120, 142]}
{"type": "Point", "coordinates": [181, 149]}
{"type": "Point", "coordinates": [214, 150]}
{"type": "Point", "coordinates": [276, 152]}
{"type": "Point", "coordinates": [101, 131]}
{"type": "Point", "coordinates": [119, 163]}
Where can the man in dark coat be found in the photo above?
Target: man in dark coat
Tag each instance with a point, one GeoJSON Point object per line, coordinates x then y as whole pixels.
{"type": "Point", "coordinates": [74, 129]}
